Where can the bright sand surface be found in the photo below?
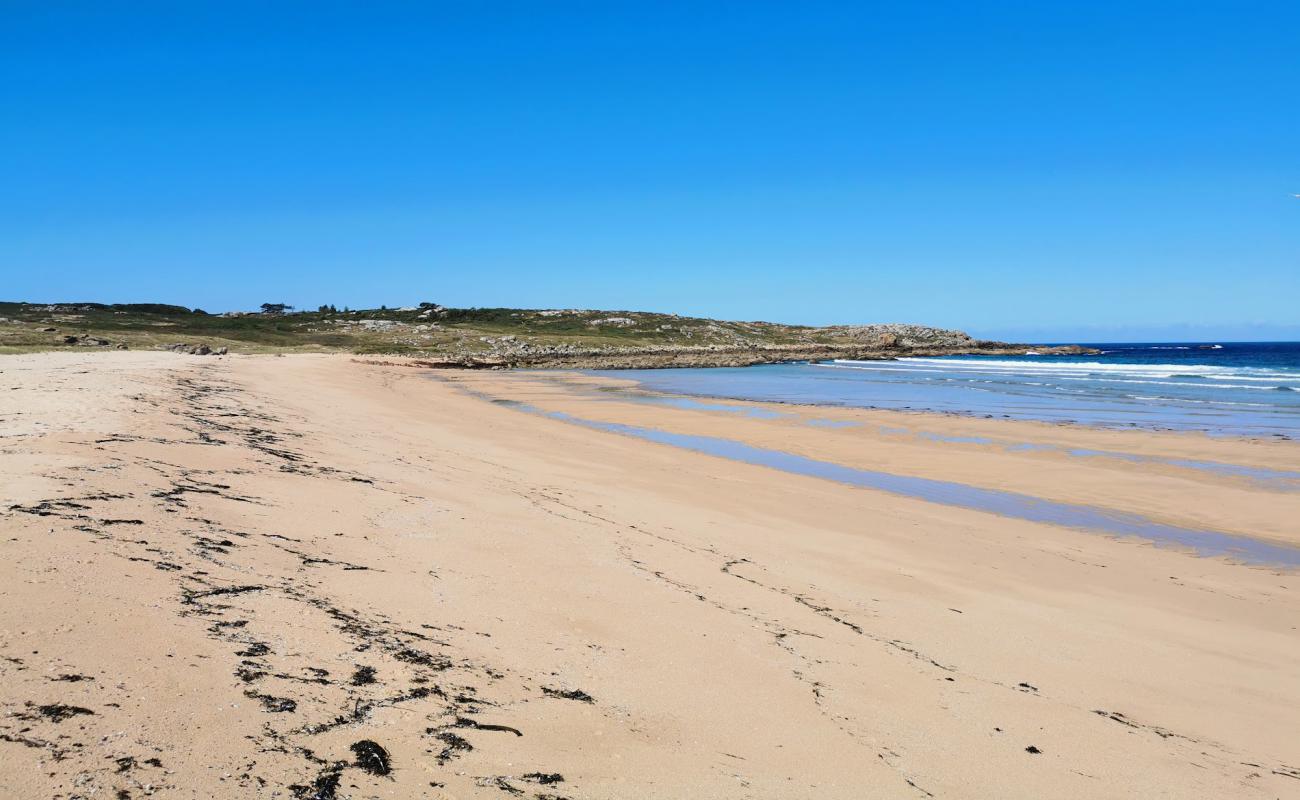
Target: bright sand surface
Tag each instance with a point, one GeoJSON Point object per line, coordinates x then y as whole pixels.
{"type": "Point", "coordinates": [202, 557]}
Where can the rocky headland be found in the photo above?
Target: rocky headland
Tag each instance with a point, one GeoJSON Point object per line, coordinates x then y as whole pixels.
{"type": "Point", "coordinates": [861, 342]}
{"type": "Point", "coordinates": [482, 337]}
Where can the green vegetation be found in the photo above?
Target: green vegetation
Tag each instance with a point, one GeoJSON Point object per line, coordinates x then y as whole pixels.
{"type": "Point", "coordinates": [470, 337]}
{"type": "Point", "coordinates": [425, 330]}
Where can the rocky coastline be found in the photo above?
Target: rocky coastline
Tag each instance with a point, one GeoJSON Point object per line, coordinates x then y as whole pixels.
{"type": "Point", "coordinates": [738, 349]}
{"type": "Point", "coordinates": [735, 348]}
{"type": "Point", "coordinates": [666, 357]}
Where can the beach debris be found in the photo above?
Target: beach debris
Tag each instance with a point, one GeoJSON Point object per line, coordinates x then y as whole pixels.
{"type": "Point", "coordinates": [248, 673]}
{"type": "Point", "coordinates": [325, 787]}
{"type": "Point", "coordinates": [568, 694]}
{"type": "Point", "coordinates": [1033, 751]}
{"type": "Point", "coordinates": [372, 757]}
{"type": "Point", "coordinates": [412, 656]}
{"type": "Point", "coordinates": [189, 596]}
{"type": "Point", "coordinates": [1115, 716]}
{"type": "Point", "coordinates": [364, 675]}
{"type": "Point", "coordinates": [58, 712]}
{"type": "Point", "coordinates": [453, 745]}
{"type": "Point", "coordinates": [467, 722]}
{"type": "Point", "coordinates": [271, 703]}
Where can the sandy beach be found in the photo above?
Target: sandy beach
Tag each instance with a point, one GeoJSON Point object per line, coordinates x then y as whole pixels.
{"type": "Point", "coordinates": [316, 577]}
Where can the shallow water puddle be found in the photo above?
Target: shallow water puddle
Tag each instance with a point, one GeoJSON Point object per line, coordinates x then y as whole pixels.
{"type": "Point", "coordinates": [1276, 480]}
{"type": "Point", "coordinates": [1007, 504]}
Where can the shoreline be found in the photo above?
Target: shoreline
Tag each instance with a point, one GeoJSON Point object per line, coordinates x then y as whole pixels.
{"type": "Point", "coordinates": [250, 575]}
{"type": "Point", "coordinates": [974, 415]}
{"type": "Point", "coordinates": [641, 393]}
{"type": "Point", "coordinates": [1098, 424]}
{"type": "Point", "coordinates": [718, 357]}
{"type": "Point", "coordinates": [1097, 418]}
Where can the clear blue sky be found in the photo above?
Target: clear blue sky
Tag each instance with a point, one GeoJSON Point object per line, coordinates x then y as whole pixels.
{"type": "Point", "coordinates": [1091, 170]}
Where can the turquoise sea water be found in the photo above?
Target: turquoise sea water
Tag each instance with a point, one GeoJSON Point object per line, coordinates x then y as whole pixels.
{"type": "Point", "coordinates": [1245, 389]}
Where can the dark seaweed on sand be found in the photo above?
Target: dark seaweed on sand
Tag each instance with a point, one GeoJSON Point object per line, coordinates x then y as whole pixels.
{"type": "Point", "coordinates": [372, 757]}
{"type": "Point", "coordinates": [58, 712]}
{"type": "Point", "coordinates": [568, 694]}
{"type": "Point", "coordinates": [325, 787]}
{"type": "Point", "coordinates": [453, 745]}
{"type": "Point", "coordinates": [364, 675]}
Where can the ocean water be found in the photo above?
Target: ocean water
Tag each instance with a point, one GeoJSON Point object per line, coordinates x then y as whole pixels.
{"type": "Point", "coordinates": [1233, 388]}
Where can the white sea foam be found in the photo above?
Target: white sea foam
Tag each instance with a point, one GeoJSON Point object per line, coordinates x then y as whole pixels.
{"type": "Point", "coordinates": [1089, 366]}
{"type": "Point", "coordinates": [1084, 370]}
{"type": "Point", "coordinates": [1075, 368]}
{"type": "Point", "coordinates": [1173, 383]}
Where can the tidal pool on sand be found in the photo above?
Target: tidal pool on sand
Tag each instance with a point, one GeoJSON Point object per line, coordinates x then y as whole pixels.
{"type": "Point", "coordinates": [1007, 504]}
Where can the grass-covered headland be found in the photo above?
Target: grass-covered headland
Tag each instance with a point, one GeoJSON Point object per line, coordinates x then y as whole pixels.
{"type": "Point", "coordinates": [470, 337]}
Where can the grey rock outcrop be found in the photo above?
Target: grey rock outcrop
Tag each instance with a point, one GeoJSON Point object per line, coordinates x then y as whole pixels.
{"type": "Point", "coordinates": [86, 340]}
{"type": "Point", "coordinates": [194, 349]}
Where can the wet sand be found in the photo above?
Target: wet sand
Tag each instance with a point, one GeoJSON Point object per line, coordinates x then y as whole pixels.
{"type": "Point", "coordinates": [310, 577]}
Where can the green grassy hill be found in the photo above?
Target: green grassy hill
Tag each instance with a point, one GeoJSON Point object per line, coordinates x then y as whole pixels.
{"type": "Point", "coordinates": [472, 336]}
